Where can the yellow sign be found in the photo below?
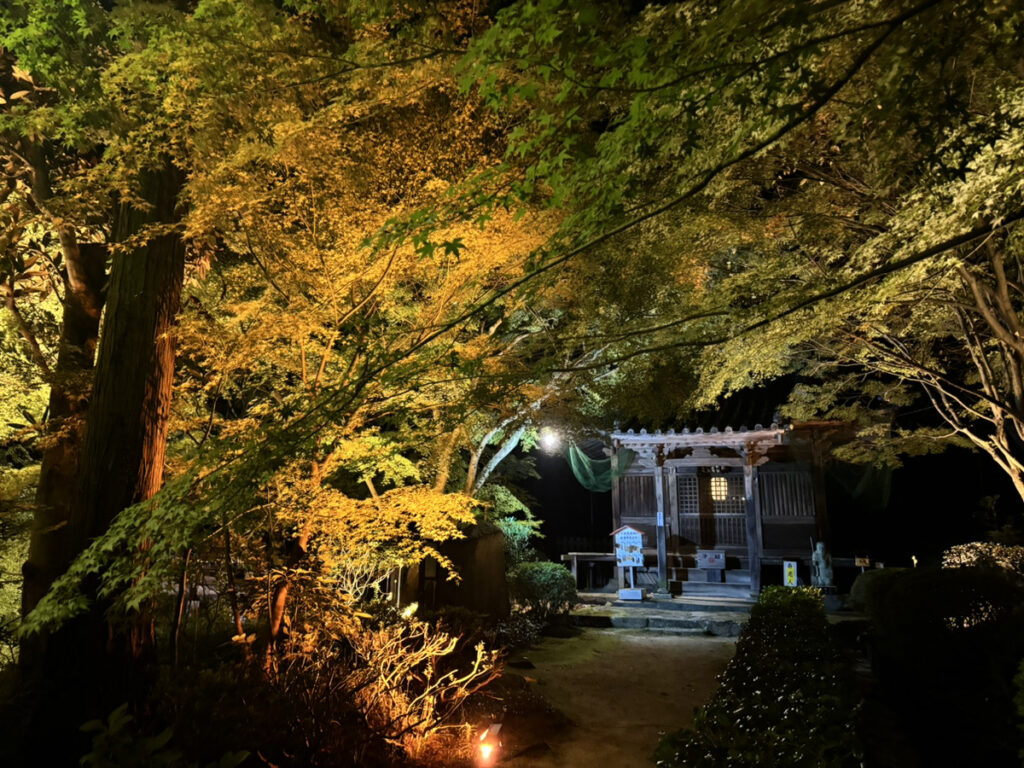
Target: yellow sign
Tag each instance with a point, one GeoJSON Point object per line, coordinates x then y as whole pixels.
{"type": "Point", "coordinates": [789, 573]}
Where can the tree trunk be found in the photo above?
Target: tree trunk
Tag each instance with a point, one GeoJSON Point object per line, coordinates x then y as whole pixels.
{"type": "Point", "coordinates": [506, 448]}
{"type": "Point", "coordinates": [122, 460]}
{"type": "Point", "coordinates": [49, 554]}
{"type": "Point", "coordinates": [122, 457]}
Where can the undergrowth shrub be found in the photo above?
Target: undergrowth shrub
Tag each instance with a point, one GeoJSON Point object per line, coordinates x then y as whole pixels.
{"type": "Point", "coordinates": [945, 645]}
{"type": "Point", "coordinates": [117, 744]}
{"type": "Point", "coordinates": [787, 698]}
{"type": "Point", "coordinates": [869, 587]}
{"type": "Point", "coordinates": [543, 589]}
{"type": "Point", "coordinates": [518, 630]}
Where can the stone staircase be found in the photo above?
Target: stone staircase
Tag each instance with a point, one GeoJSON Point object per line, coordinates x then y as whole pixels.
{"type": "Point", "coordinates": [685, 579]}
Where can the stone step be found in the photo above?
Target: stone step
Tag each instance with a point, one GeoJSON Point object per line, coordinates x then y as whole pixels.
{"type": "Point", "coordinates": [696, 575]}
{"type": "Point", "coordinates": [675, 560]}
{"type": "Point", "coordinates": [709, 590]}
{"type": "Point", "coordinates": [682, 625]}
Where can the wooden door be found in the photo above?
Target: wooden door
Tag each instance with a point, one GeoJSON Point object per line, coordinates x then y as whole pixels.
{"type": "Point", "coordinates": [712, 507]}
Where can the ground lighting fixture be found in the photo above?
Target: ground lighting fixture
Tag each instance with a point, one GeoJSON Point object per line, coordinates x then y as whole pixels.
{"type": "Point", "coordinates": [488, 745]}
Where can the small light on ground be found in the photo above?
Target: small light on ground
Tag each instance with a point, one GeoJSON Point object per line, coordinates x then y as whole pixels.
{"type": "Point", "coordinates": [490, 742]}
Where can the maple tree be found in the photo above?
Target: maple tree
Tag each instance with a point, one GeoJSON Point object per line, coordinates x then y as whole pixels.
{"type": "Point", "coordinates": [838, 183]}
{"type": "Point", "coordinates": [318, 370]}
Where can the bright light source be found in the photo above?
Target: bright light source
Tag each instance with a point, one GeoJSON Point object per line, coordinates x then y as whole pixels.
{"type": "Point", "coordinates": [549, 440]}
{"type": "Point", "coordinates": [719, 488]}
{"type": "Point", "coordinates": [490, 742]}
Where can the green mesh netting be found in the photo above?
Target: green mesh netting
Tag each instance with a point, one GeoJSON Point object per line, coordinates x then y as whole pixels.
{"type": "Point", "coordinates": [597, 475]}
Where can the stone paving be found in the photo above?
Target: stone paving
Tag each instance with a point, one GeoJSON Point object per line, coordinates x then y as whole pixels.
{"type": "Point", "coordinates": [722, 617]}
{"type": "Point", "coordinates": [719, 616]}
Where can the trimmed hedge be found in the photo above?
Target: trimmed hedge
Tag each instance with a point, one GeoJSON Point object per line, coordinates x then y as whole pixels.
{"type": "Point", "coordinates": [542, 588]}
{"type": "Point", "coordinates": [945, 645]}
{"type": "Point", "coordinates": [787, 698]}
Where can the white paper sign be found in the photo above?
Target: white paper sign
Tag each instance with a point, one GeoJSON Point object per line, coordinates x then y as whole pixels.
{"type": "Point", "coordinates": [629, 548]}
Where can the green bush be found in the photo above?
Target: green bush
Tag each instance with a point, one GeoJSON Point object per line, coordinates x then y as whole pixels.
{"type": "Point", "coordinates": [945, 645]}
{"type": "Point", "coordinates": [543, 589]}
{"type": "Point", "coordinates": [870, 586]}
{"type": "Point", "coordinates": [515, 520]}
{"type": "Point", "coordinates": [787, 698]}
{"type": "Point", "coordinates": [117, 744]}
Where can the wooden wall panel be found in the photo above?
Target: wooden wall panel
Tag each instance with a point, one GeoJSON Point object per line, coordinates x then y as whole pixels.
{"type": "Point", "coordinates": [788, 494]}
{"type": "Point", "coordinates": [636, 497]}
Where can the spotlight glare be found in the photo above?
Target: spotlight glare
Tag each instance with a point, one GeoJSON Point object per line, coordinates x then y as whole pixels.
{"type": "Point", "coordinates": [549, 440]}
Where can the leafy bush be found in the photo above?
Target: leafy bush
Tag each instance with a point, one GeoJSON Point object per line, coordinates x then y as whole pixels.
{"type": "Point", "coordinates": [543, 589]}
{"type": "Point", "coordinates": [515, 520]}
{"type": "Point", "coordinates": [117, 744]}
{"type": "Point", "coordinates": [869, 586]}
{"type": "Point", "coordinates": [787, 698]}
{"type": "Point", "coordinates": [945, 645]}
{"type": "Point", "coordinates": [985, 554]}
{"type": "Point", "coordinates": [518, 630]}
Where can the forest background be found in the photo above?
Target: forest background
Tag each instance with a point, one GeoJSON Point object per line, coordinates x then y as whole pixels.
{"type": "Point", "coordinates": [286, 284]}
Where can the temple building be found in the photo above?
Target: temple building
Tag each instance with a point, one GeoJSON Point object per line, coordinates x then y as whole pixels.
{"type": "Point", "coordinates": [756, 495]}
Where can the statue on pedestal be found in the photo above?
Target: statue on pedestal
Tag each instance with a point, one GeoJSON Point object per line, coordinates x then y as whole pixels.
{"type": "Point", "coordinates": [821, 567]}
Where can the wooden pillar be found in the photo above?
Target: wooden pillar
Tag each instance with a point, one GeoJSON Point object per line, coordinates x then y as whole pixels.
{"type": "Point", "coordinates": [659, 495]}
{"type": "Point", "coordinates": [753, 510]}
{"type": "Point", "coordinates": [616, 509]}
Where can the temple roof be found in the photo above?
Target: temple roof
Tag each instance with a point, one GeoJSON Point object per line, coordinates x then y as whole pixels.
{"type": "Point", "coordinates": [742, 439]}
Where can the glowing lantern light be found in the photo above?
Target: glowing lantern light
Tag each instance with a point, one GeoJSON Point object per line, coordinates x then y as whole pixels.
{"type": "Point", "coordinates": [489, 744]}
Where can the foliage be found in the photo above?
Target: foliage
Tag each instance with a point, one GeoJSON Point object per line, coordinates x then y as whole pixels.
{"type": "Point", "coordinates": [788, 696]}
{"type": "Point", "coordinates": [405, 692]}
{"type": "Point", "coordinates": [869, 587]}
{"type": "Point", "coordinates": [319, 377]}
{"type": "Point", "coordinates": [516, 522]}
{"type": "Point", "coordinates": [542, 589]}
{"type": "Point", "coordinates": [985, 554]}
{"type": "Point", "coordinates": [948, 642]}
{"type": "Point", "coordinates": [16, 485]}
{"type": "Point", "coordinates": [834, 195]}
{"type": "Point", "coordinates": [116, 745]}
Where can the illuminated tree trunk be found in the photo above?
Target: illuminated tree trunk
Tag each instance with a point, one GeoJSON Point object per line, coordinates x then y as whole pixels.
{"type": "Point", "coordinates": [122, 460]}
{"type": "Point", "coordinates": [92, 664]}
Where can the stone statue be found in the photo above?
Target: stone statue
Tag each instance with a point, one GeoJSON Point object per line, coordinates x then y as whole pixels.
{"type": "Point", "coordinates": [821, 567]}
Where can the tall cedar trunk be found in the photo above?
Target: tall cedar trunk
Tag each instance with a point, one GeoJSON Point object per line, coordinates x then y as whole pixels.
{"type": "Point", "coordinates": [49, 554]}
{"type": "Point", "coordinates": [122, 457]}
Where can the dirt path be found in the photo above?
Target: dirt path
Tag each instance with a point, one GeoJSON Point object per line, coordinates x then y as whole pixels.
{"type": "Point", "coordinates": [619, 689]}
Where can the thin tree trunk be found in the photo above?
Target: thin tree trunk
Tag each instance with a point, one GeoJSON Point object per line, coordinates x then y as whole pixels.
{"type": "Point", "coordinates": [179, 611]}
{"type": "Point", "coordinates": [279, 599]}
{"type": "Point", "coordinates": [232, 590]}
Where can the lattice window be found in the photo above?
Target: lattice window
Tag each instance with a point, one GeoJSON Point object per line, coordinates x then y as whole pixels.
{"type": "Point", "coordinates": [688, 494]}
{"type": "Point", "coordinates": [727, 494]}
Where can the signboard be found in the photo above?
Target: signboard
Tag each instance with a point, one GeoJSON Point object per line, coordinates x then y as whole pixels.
{"type": "Point", "coordinates": [862, 562]}
{"type": "Point", "coordinates": [789, 573]}
{"type": "Point", "coordinates": [710, 558]}
{"type": "Point", "coordinates": [629, 548]}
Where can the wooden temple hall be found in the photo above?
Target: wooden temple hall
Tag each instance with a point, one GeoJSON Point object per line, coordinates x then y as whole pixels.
{"type": "Point", "coordinates": [755, 495]}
